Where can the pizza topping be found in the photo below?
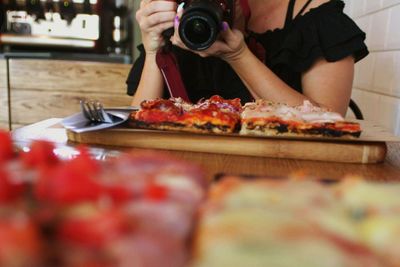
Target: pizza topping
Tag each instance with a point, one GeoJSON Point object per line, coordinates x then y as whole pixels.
{"type": "Point", "coordinates": [211, 115]}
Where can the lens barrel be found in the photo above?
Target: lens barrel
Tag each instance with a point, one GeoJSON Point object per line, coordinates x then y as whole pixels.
{"type": "Point", "coordinates": [200, 24]}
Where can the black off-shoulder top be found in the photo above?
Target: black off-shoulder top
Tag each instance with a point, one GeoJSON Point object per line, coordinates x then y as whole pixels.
{"type": "Point", "coordinates": [323, 32]}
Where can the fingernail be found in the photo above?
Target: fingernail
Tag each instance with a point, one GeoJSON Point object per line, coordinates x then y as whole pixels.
{"type": "Point", "coordinates": [180, 7]}
{"type": "Point", "coordinates": [225, 26]}
{"type": "Point", "coordinates": [176, 21]}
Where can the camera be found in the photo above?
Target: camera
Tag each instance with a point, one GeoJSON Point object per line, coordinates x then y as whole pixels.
{"type": "Point", "coordinates": [201, 21]}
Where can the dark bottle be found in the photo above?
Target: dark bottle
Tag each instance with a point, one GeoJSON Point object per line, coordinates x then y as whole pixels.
{"type": "Point", "coordinates": [2, 15]}
{"type": "Point", "coordinates": [87, 7]}
{"type": "Point", "coordinates": [67, 10]}
{"type": "Point", "coordinates": [49, 6]}
{"type": "Point", "coordinates": [13, 5]}
{"type": "Point", "coordinates": [35, 8]}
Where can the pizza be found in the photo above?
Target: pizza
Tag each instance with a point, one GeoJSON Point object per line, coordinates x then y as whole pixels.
{"type": "Point", "coordinates": [266, 118]}
{"type": "Point", "coordinates": [253, 222]}
{"type": "Point", "coordinates": [135, 210]}
{"type": "Point", "coordinates": [261, 118]}
{"type": "Point", "coordinates": [213, 115]}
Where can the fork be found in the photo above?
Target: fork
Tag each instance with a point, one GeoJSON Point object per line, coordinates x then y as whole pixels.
{"type": "Point", "coordinates": [94, 111]}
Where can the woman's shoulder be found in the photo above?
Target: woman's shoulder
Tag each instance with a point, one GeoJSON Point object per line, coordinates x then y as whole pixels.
{"type": "Point", "coordinates": [312, 5]}
{"type": "Point", "coordinates": [322, 31]}
{"type": "Point", "coordinates": [324, 7]}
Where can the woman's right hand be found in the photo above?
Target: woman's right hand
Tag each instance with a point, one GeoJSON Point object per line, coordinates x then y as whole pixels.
{"type": "Point", "coordinates": [154, 17]}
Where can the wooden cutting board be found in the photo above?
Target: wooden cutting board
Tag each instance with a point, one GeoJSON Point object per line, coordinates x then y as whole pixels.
{"type": "Point", "coordinates": [369, 148]}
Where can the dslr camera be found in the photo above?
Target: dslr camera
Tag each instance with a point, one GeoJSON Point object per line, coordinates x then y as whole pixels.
{"type": "Point", "coordinates": [201, 21]}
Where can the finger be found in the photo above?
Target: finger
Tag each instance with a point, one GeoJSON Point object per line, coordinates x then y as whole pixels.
{"type": "Point", "coordinates": [179, 12]}
{"type": "Point", "coordinates": [159, 6]}
{"type": "Point", "coordinates": [161, 27]}
{"type": "Point", "coordinates": [226, 31]}
{"type": "Point", "coordinates": [144, 2]}
{"type": "Point", "coordinates": [159, 18]}
{"type": "Point", "coordinates": [231, 36]}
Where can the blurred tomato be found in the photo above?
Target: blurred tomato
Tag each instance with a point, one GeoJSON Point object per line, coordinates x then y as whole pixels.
{"type": "Point", "coordinates": [19, 242]}
{"type": "Point", "coordinates": [6, 147]}
{"type": "Point", "coordinates": [66, 185]}
{"type": "Point", "coordinates": [40, 155]}
{"type": "Point", "coordinates": [94, 230]}
{"type": "Point", "coordinates": [70, 182]}
{"type": "Point", "coordinates": [9, 190]}
{"type": "Point", "coordinates": [156, 192]}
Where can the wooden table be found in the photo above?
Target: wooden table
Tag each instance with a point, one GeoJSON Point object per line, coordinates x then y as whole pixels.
{"type": "Point", "coordinates": [230, 164]}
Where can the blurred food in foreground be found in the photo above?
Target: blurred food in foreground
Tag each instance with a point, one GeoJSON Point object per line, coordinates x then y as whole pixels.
{"type": "Point", "coordinates": [135, 210]}
{"type": "Point", "coordinates": [288, 222]}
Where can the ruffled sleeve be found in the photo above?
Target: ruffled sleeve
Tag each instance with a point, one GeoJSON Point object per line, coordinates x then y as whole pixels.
{"type": "Point", "coordinates": [324, 32]}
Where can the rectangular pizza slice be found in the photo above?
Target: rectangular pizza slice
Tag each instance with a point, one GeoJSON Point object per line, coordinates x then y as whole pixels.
{"type": "Point", "coordinates": [266, 118]}
{"type": "Point", "coordinates": [213, 115]}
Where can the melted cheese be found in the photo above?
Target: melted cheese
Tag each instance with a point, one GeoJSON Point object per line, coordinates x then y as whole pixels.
{"type": "Point", "coordinates": [304, 113]}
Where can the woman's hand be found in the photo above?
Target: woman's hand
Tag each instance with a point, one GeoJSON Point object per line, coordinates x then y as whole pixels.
{"type": "Point", "coordinates": [154, 17]}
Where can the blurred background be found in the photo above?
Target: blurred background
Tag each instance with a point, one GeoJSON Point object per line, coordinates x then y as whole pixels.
{"type": "Point", "coordinates": [81, 29]}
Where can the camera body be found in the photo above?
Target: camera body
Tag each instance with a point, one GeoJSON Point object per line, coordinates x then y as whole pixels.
{"type": "Point", "coordinates": [201, 21]}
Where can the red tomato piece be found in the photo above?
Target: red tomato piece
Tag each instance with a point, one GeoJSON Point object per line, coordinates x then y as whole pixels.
{"type": "Point", "coordinates": [70, 182]}
{"type": "Point", "coordinates": [41, 154]}
{"type": "Point", "coordinates": [9, 190]}
{"type": "Point", "coordinates": [66, 185]}
{"type": "Point", "coordinates": [156, 192]}
{"type": "Point", "coordinates": [6, 147]}
{"type": "Point", "coordinates": [84, 162]}
{"type": "Point", "coordinates": [94, 231]}
{"type": "Point", "coordinates": [19, 242]}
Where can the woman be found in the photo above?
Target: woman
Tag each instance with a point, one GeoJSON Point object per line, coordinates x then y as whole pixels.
{"type": "Point", "coordinates": [281, 50]}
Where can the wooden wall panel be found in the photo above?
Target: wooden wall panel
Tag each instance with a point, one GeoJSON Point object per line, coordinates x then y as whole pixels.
{"type": "Point", "coordinates": [4, 124]}
{"type": "Point", "coordinates": [42, 89]}
{"type": "Point", "coordinates": [60, 75]}
{"type": "Point", "coordinates": [30, 106]}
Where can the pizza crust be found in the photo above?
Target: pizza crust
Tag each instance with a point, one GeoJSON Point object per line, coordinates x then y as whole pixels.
{"type": "Point", "coordinates": [169, 126]}
{"type": "Point", "coordinates": [273, 130]}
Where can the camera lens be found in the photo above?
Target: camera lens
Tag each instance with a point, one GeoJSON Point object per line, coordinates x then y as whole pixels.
{"type": "Point", "coordinates": [197, 31]}
{"type": "Point", "coordinates": [200, 24]}
{"type": "Point", "coordinates": [199, 27]}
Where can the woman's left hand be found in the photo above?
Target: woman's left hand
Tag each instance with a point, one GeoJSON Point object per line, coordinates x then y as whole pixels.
{"type": "Point", "coordinates": [229, 46]}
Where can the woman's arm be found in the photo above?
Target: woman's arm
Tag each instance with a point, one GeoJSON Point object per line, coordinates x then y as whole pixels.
{"type": "Point", "coordinates": [153, 17]}
{"type": "Point", "coordinates": [330, 83]}
{"type": "Point", "coordinates": [325, 84]}
{"type": "Point", "coordinates": [151, 84]}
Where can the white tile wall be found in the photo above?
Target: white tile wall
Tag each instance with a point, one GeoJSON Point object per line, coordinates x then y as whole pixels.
{"type": "Point", "coordinates": [377, 77]}
{"type": "Point", "coordinates": [393, 35]}
{"type": "Point", "coordinates": [378, 30]}
{"type": "Point", "coordinates": [383, 73]}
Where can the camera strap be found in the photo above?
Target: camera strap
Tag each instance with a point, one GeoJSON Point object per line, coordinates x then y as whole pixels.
{"type": "Point", "coordinates": [168, 65]}
{"type": "Point", "coordinates": [244, 4]}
